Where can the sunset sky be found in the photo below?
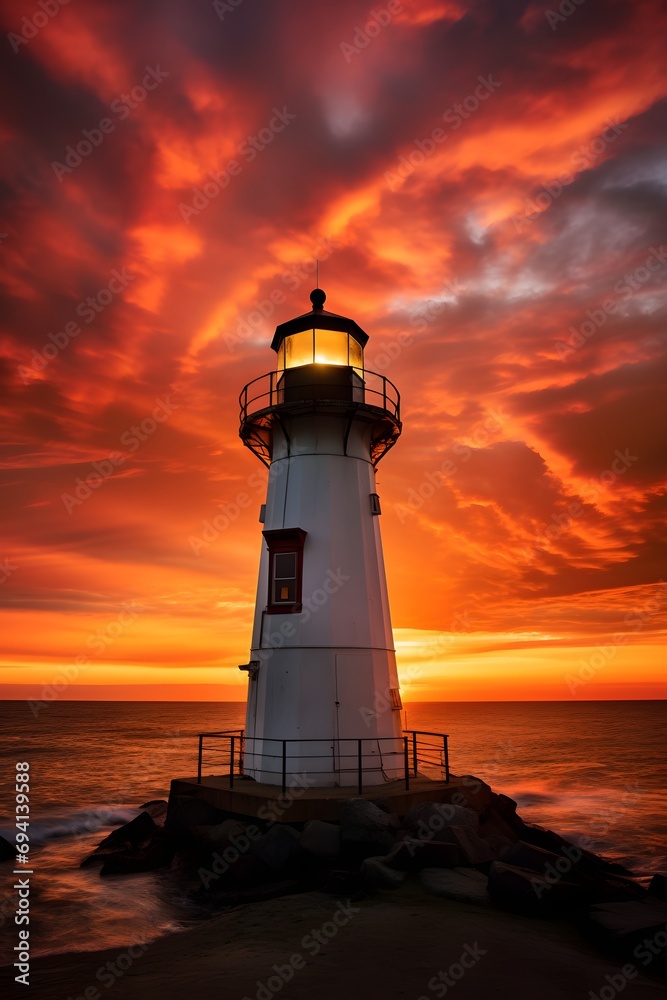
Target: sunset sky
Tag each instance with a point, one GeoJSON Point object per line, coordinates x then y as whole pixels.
{"type": "Point", "coordinates": [485, 186]}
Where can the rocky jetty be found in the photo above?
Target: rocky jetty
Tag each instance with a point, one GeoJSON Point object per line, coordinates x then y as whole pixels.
{"type": "Point", "coordinates": [480, 852]}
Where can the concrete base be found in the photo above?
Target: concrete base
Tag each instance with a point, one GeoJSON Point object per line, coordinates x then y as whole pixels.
{"type": "Point", "coordinates": [249, 799]}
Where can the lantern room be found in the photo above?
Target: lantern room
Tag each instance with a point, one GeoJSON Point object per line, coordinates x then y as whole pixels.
{"type": "Point", "coordinates": [320, 337]}
{"type": "Point", "coordinates": [320, 369]}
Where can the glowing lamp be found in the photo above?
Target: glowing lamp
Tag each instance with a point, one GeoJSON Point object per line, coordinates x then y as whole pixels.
{"type": "Point", "coordinates": [319, 337]}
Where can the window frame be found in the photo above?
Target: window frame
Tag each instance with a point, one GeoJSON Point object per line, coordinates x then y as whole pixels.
{"type": "Point", "coordinates": [281, 541]}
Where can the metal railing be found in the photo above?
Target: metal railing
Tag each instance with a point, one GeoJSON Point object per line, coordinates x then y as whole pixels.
{"type": "Point", "coordinates": [404, 754]}
{"type": "Point", "coordinates": [365, 387]}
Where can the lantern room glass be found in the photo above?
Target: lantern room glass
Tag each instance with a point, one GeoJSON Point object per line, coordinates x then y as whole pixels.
{"type": "Point", "coordinates": [324, 347]}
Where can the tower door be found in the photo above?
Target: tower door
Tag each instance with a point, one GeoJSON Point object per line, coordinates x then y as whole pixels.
{"type": "Point", "coordinates": [354, 702]}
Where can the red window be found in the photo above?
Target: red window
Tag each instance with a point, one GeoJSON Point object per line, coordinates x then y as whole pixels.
{"type": "Point", "coordinates": [285, 569]}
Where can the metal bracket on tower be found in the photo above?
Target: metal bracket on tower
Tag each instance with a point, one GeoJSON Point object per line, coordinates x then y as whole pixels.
{"type": "Point", "coordinates": [284, 430]}
{"type": "Point", "coordinates": [252, 668]}
{"type": "Point", "coordinates": [351, 414]}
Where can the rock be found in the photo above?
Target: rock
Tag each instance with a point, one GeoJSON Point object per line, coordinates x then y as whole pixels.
{"type": "Point", "coordinates": [535, 859]}
{"type": "Point", "coordinates": [385, 806]}
{"type": "Point", "coordinates": [132, 833]}
{"type": "Point", "coordinates": [429, 818]}
{"type": "Point", "coordinates": [157, 852]}
{"type": "Point", "coordinates": [101, 854]}
{"type": "Point", "coordinates": [526, 891]}
{"type": "Point", "coordinates": [492, 823]}
{"type": "Point", "coordinates": [7, 850]}
{"type": "Point", "coordinates": [600, 886]}
{"type": "Point", "coordinates": [658, 887]}
{"type": "Point", "coordinates": [498, 844]}
{"type": "Point", "coordinates": [411, 855]}
{"type": "Point", "coordinates": [627, 925]}
{"type": "Point", "coordinates": [588, 863]}
{"type": "Point", "coordinates": [506, 808]}
{"type": "Point", "coordinates": [472, 848]}
{"type": "Point", "coordinates": [365, 828]}
{"type": "Point", "coordinates": [376, 874]}
{"type": "Point", "coordinates": [183, 861]}
{"type": "Point", "coordinates": [187, 811]}
{"type": "Point", "coordinates": [605, 888]}
{"type": "Point", "coordinates": [278, 847]}
{"type": "Point", "coordinates": [478, 787]}
{"type": "Point", "coordinates": [464, 884]}
{"type": "Point", "coordinates": [157, 810]}
{"type": "Point", "coordinates": [225, 831]}
{"type": "Point", "coordinates": [229, 833]}
{"type": "Point", "coordinates": [321, 839]}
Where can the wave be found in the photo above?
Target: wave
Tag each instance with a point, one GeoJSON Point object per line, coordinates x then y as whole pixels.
{"type": "Point", "coordinates": [77, 823]}
{"type": "Point", "coordinates": [528, 797]}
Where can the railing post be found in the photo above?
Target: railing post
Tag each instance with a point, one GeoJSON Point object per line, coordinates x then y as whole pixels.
{"type": "Point", "coordinates": [231, 762]}
{"type": "Point", "coordinates": [359, 765]}
{"type": "Point", "coordinates": [201, 750]}
{"type": "Point", "coordinates": [414, 752]}
{"type": "Point", "coordinates": [406, 762]}
{"type": "Point", "coordinates": [446, 758]}
{"type": "Point", "coordinates": [242, 752]}
{"type": "Point", "coordinates": [284, 766]}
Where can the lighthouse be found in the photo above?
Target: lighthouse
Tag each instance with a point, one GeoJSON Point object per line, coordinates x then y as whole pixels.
{"type": "Point", "coordinates": [323, 692]}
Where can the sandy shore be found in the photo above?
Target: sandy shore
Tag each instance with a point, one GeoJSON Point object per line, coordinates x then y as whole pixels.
{"type": "Point", "coordinates": [393, 947]}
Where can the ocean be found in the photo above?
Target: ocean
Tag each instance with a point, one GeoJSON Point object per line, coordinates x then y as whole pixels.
{"type": "Point", "coordinates": [593, 770]}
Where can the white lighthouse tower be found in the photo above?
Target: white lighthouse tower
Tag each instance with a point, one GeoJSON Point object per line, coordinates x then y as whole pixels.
{"type": "Point", "coordinates": [323, 693]}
